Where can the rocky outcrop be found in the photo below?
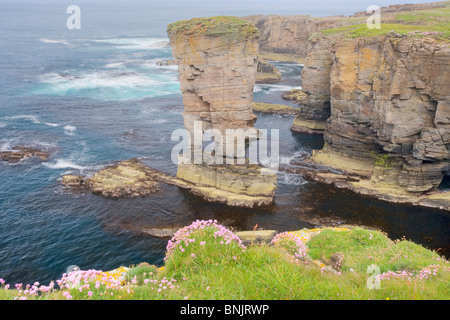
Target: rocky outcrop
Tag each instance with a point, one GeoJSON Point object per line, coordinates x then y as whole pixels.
{"type": "Point", "coordinates": [267, 73]}
{"type": "Point", "coordinates": [382, 101]}
{"type": "Point", "coordinates": [299, 35]}
{"type": "Point", "coordinates": [390, 108]}
{"type": "Point", "coordinates": [289, 34]}
{"type": "Point", "coordinates": [256, 237]}
{"type": "Point", "coordinates": [217, 60]}
{"type": "Point", "coordinates": [233, 185]}
{"type": "Point", "coordinates": [22, 152]}
{"type": "Point", "coordinates": [314, 97]}
{"type": "Point", "coordinates": [270, 108]}
{"type": "Point", "coordinates": [126, 179]}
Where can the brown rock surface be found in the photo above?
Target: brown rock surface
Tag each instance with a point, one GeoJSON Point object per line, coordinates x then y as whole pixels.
{"type": "Point", "coordinates": [289, 34]}
{"type": "Point", "coordinates": [217, 62]}
{"type": "Point", "coordinates": [218, 59]}
{"type": "Point", "coordinates": [21, 152]}
{"type": "Point", "coordinates": [389, 98]}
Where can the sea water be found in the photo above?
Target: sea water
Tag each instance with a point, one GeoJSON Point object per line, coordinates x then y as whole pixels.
{"type": "Point", "coordinates": [98, 95]}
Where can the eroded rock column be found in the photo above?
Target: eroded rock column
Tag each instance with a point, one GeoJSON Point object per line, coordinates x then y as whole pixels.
{"type": "Point", "coordinates": [217, 61]}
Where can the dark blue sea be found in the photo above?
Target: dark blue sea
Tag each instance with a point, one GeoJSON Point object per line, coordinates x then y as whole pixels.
{"type": "Point", "coordinates": [98, 95]}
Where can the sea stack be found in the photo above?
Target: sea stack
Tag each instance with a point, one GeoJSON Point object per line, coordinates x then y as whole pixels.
{"type": "Point", "coordinates": [217, 60]}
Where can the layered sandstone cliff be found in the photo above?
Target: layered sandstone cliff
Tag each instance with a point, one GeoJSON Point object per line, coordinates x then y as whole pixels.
{"type": "Point", "coordinates": [289, 34]}
{"type": "Point", "coordinates": [217, 60]}
{"type": "Point", "coordinates": [390, 102]}
{"type": "Point", "coordinates": [381, 98]}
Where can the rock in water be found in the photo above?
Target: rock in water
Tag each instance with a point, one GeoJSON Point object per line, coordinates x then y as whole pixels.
{"type": "Point", "coordinates": [20, 153]}
{"type": "Point", "coordinates": [240, 186]}
{"type": "Point", "coordinates": [217, 60]}
{"type": "Point", "coordinates": [72, 180]}
{"type": "Point", "coordinates": [128, 178]}
{"type": "Point", "coordinates": [267, 73]}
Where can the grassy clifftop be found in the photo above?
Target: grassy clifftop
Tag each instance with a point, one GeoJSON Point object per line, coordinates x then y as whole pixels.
{"type": "Point", "coordinates": [432, 22]}
{"type": "Point", "coordinates": [207, 261]}
{"type": "Point", "coordinates": [213, 26]}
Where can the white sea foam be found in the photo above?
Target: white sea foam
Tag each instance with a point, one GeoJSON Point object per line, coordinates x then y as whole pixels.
{"type": "Point", "coordinates": [6, 146]}
{"type": "Point", "coordinates": [137, 43]}
{"type": "Point", "coordinates": [298, 155]}
{"type": "Point", "coordinates": [63, 164]}
{"type": "Point", "coordinates": [154, 64]}
{"type": "Point", "coordinates": [28, 117]}
{"type": "Point", "coordinates": [50, 124]}
{"type": "Point", "coordinates": [115, 64]}
{"type": "Point", "coordinates": [159, 121]}
{"type": "Point", "coordinates": [69, 130]}
{"type": "Point", "coordinates": [290, 179]}
{"type": "Point", "coordinates": [270, 88]}
{"type": "Point", "coordinates": [63, 82]}
{"type": "Point", "coordinates": [54, 41]}
{"type": "Point", "coordinates": [120, 80]}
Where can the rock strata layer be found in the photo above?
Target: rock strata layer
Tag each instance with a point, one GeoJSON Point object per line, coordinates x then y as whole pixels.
{"type": "Point", "coordinates": [217, 60]}
{"type": "Point", "coordinates": [390, 103]}
{"type": "Point", "coordinates": [217, 63]}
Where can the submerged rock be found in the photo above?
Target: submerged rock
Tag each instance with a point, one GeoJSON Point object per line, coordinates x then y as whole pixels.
{"type": "Point", "coordinates": [161, 232]}
{"type": "Point", "coordinates": [20, 153]}
{"type": "Point", "coordinates": [72, 180]}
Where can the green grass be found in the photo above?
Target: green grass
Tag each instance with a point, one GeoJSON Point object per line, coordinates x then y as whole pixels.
{"type": "Point", "coordinates": [361, 30]}
{"type": "Point", "coordinates": [362, 248]}
{"type": "Point", "coordinates": [213, 26]}
{"type": "Point", "coordinates": [407, 23]}
{"type": "Point", "coordinates": [206, 267]}
{"type": "Point", "coordinates": [439, 16]}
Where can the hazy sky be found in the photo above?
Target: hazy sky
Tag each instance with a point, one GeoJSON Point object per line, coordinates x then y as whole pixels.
{"type": "Point", "coordinates": [316, 7]}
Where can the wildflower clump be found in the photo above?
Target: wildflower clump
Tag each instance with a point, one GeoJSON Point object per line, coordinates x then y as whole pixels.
{"type": "Point", "coordinates": [292, 243]}
{"type": "Point", "coordinates": [415, 33]}
{"type": "Point", "coordinates": [202, 242]}
{"type": "Point", "coordinates": [423, 274]}
{"type": "Point", "coordinates": [91, 283]}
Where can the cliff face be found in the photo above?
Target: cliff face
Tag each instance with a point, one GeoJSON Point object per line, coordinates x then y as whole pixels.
{"type": "Point", "coordinates": [391, 96]}
{"type": "Point", "coordinates": [314, 102]}
{"type": "Point", "coordinates": [390, 117]}
{"type": "Point", "coordinates": [289, 34]}
{"type": "Point", "coordinates": [217, 60]}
